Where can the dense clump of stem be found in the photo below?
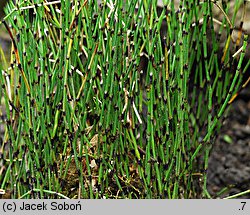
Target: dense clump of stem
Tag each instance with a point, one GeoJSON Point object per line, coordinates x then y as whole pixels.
{"type": "Point", "coordinates": [86, 118]}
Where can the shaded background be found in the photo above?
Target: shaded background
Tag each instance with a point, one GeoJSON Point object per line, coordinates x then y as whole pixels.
{"type": "Point", "coordinates": [4, 37]}
{"type": "Point", "coordinates": [2, 3]}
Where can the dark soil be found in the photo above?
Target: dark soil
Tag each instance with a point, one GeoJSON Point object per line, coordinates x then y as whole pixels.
{"type": "Point", "coordinates": [229, 163]}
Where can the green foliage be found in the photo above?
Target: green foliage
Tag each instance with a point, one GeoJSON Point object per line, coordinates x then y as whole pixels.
{"type": "Point", "coordinates": [86, 118]}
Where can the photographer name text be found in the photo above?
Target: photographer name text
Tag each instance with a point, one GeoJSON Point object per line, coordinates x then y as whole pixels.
{"type": "Point", "coordinates": [41, 206]}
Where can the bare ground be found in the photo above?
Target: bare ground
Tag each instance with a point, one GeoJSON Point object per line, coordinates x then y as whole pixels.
{"type": "Point", "coordinates": [229, 163]}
